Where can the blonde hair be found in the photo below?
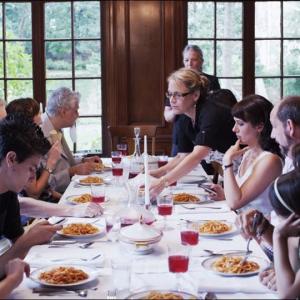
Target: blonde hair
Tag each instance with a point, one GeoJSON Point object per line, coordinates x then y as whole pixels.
{"type": "Point", "coordinates": [192, 79]}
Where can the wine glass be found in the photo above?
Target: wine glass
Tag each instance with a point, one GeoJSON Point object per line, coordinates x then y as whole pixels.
{"type": "Point", "coordinates": [113, 226]}
{"type": "Point", "coordinates": [123, 148]}
{"type": "Point", "coordinates": [117, 172]}
{"type": "Point", "coordinates": [165, 207]}
{"type": "Point", "coordinates": [189, 233]}
{"type": "Point", "coordinates": [178, 261]}
{"type": "Point", "coordinates": [116, 157]}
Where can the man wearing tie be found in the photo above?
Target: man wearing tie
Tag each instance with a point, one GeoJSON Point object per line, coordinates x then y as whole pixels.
{"type": "Point", "coordinates": [62, 112]}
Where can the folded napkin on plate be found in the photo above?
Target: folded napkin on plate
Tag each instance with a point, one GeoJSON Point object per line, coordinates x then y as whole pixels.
{"type": "Point", "coordinates": [61, 256]}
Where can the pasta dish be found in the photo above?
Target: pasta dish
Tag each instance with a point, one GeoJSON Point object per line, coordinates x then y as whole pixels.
{"type": "Point", "coordinates": [232, 265]}
{"type": "Point", "coordinates": [83, 198]}
{"type": "Point", "coordinates": [214, 227]}
{"type": "Point", "coordinates": [185, 197]}
{"type": "Point", "coordinates": [63, 275]}
{"type": "Point", "coordinates": [92, 179]}
{"type": "Point", "coordinates": [79, 229]}
{"type": "Point", "coordinates": [158, 295]}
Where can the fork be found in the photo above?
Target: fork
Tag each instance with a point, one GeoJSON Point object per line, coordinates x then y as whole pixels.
{"type": "Point", "coordinates": [111, 294]}
{"type": "Point", "coordinates": [83, 259]}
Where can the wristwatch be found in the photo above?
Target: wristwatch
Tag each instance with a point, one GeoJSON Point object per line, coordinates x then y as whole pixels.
{"type": "Point", "coordinates": [49, 170]}
{"type": "Point", "coordinates": [227, 166]}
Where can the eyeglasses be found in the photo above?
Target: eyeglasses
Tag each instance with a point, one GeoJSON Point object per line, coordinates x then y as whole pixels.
{"type": "Point", "coordinates": [177, 95]}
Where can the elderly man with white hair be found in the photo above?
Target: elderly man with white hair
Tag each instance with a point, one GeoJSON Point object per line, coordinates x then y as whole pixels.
{"type": "Point", "coordinates": [62, 112]}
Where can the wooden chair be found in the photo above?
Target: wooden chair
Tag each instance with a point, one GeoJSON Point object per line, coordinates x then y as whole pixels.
{"type": "Point", "coordinates": [217, 171]}
{"type": "Point", "coordinates": [125, 134]}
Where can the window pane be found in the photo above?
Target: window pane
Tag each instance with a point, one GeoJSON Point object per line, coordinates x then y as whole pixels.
{"type": "Point", "coordinates": [19, 59]}
{"type": "Point", "coordinates": [291, 17]}
{"type": "Point", "coordinates": [267, 19]}
{"type": "Point", "coordinates": [58, 20]}
{"type": "Point", "coordinates": [207, 48]}
{"type": "Point", "coordinates": [52, 85]}
{"type": "Point", "coordinates": [58, 59]}
{"type": "Point", "coordinates": [235, 85]}
{"type": "Point", "coordinates": [267, 58]}
{"type": "Point", "coordinates": [2, 89]}
{"type": "Point", "coordinates": [291, 86]}
{"type": "Point", "coordinates": [229, 20]}
{"type": "Point", "coordinates": [1, 29]}
{"type": "Point", "coordinates": [200, 13]}
{"type": "Point", "coordinates": [18, 20]}
{"type": "Point", "coordinates": [87, 19]}
{"type": "Point", "coordinates": [269, 88]}
{"type": "Point", "coordinates": [1, 60]}
{"type": "Point", "coordinates": [229, 58]}
{"type": "Point", "coordinates": [90, 102]}
{"type": "Point", "coordinates": [87, 59]}
{"type": "Point", "coordinates": [89, 134]}
{"type": "Point", "coordinates": [291, 54]}
{"type": "Point", "coordinates": [19, 89]}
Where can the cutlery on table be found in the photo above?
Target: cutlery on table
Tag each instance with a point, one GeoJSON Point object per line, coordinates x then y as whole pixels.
{"type": "Point", "coordinates": [83, 259]}
{"type": "Point", "coordinates": [194, 207]}
{"type": "Point", "coordinates": [212, 253]}
{"type": "Point", "coordinates": [86, 245]}
{"type": "Point", "coordinates": [59, 291]}
{"type": "Point", "coordinates": [111, 294]}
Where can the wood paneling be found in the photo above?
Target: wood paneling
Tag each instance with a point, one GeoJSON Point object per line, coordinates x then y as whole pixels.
{"type": "Point", "coordinates": [142, 44]}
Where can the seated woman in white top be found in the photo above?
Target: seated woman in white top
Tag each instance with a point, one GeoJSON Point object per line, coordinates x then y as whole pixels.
{"type": "Point", "coordinates": [261, 162]}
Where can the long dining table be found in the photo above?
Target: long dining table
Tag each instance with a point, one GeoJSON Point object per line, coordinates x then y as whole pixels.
{"type": "Point", "coordinates": [147, 271]}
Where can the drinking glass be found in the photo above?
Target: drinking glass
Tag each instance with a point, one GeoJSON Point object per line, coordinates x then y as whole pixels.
{"type": "Point", "coordinates": [189, 233]}
{"type": "Point", "coordinates": [165, 208]}
{"type": "Point", "coordinates": [162, 160]}
{"type": "Point", "coordinates": [134, 169]}
{"type": "Point", "coordinates": [178, 261]}
{"type": "Point", "coordinates": [121, 273]}
{"type": "Point", "coordinates": [123, 149]}
{"type": "Point", "coordinates": [117, 172]}
{"type": "Point", "coordinates": [113, 226]}
{"type": "Point", "coordinates": [98, 193]}
{"type": "Point", "coordinates": [116, 157]}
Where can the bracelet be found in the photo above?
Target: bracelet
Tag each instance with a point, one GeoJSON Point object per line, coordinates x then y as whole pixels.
{"type": "Point", "coordinates": [164, 181]}
{"type": "Point", "coordinates": [49, 170]}
{"type": "Point", "coordinates": [227, 166]}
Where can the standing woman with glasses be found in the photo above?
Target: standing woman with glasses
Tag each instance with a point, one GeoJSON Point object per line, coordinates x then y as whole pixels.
{"type": "Point", "coordinates": [203, 127]}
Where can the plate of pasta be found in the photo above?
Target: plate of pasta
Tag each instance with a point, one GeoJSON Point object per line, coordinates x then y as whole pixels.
{"type": "Point", "coordinates": [214, 228]}
{"type": "Point", "coordinates": [231, 265]}
{"type": "Point", "coordinates": [184, 198]}
{"type": "Point", "coordinates": [162, 294]}
{"type": "Point", "coordinates": [80, 230]}
{"type": "Point", "coordinates": [64, 275]}
{"type": "Point", "coordinates": [88, 180]}
{"type": "Point", "coordinates": [81, 199]}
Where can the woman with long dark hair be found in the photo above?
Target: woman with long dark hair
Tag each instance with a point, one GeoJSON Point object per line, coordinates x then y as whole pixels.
{"type": "Point", "coordinates": [260, 163]}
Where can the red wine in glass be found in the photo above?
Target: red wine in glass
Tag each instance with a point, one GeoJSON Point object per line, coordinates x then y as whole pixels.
{"type": "Point", "coordinates": [98, 199]}
{"type": "Point", "coordinates": [124, 152]}
{"type": "Point", "coordinates": [189, 237]}
{"type": "Point", "coordinates": [132, 174]}
{"type": "Point", "coordinates": [178, 263]}
{"type": "Point", "coordinates": [165, 209]}
{"type": "Point", "coordinates": [108, 227]}
{"type": "Point", "coordinates": [117, 171]}
{"type": "Point", "coordinates": [174, 183]}
{"type": "Point", "coordinates": [161, 163]}
{"type": "Point", "coordinates": [116, 159]}
{"type": "Point", "coordinates": [127, 222]}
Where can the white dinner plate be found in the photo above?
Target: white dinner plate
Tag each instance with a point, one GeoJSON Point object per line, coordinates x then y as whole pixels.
{"type": "Point", "coordinates": [145, 294]}
{"type": "Point", "coordinates": [91, 272]}
{"type": "Point", "coordinates": [82, 236]}
{"type": "Point", "coordinates": [203, 197]}
{"type": "Point", "coordinates": [208, 265]}
{"type": "Point", "coordinates": [71, 199]}
{"type": "Point", "coordinates": [214, 235]}
{"type": "Point", "coordinates": [77, 180]}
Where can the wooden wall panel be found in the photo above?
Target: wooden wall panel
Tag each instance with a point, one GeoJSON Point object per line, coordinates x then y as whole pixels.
{"type": "Point", "coordinates": [142, 44]}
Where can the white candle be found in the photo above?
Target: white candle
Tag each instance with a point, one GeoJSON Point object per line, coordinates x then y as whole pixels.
{"type": "Point", "coordinates": [41, 107]}
{"type": "Point", "coordinates": [147, 196]}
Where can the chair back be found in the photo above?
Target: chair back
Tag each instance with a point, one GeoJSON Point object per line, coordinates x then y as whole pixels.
{"type": "Point", "coordinates": [218, 170]}
{"type": "Point", "coordinates": [125, 134]}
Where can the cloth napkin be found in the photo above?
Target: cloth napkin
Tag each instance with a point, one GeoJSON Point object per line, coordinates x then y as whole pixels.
{"type": "Point", "coordinates": [48, 258]}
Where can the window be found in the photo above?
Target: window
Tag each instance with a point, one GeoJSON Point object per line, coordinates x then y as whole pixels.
{"type": "Point", "coordinates": [70, 40]}
{"type": "Point", "coordinates": [219, 29]}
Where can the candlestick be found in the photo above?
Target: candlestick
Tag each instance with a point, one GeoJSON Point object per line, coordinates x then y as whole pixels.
{"type": "Point", "coordinates": [147, 196]}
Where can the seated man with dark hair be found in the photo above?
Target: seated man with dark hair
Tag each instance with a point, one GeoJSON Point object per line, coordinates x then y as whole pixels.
{"type": "Point", "coordinates": [22, 145]}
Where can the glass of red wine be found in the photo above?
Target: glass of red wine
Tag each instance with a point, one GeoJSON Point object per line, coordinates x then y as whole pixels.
{"type": "Point", "coordinates": [189, 233]}
{"type": "Point", "coordinates": [123, 149]}
{"type": "Point", "coordinates": [98, 193]}
{"type": "Point", "coordinates": [116, 157]}
{"type": "Point", "coordinates": [162, 160]}
{"type": "Point", "coordinates": [117, 172]}
{"type": "Point", "coordinates": [134, 169]}
{"type": "Point", "coordinates": [165, 208]}
{"type": "Point", "coordinates": [178, 261]}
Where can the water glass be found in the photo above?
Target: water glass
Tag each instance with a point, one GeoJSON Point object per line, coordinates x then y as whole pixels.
{"type": "Point", "coordinates": [121, 273]}
{"type": "Point", "coordinates": [113, 226]}
{"type": "Point", "coordinates": [123, 148]}
{"type": "Point", "coordinates": [98, 193]}
{"type": "Point", "coordinates": [117, 172]}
